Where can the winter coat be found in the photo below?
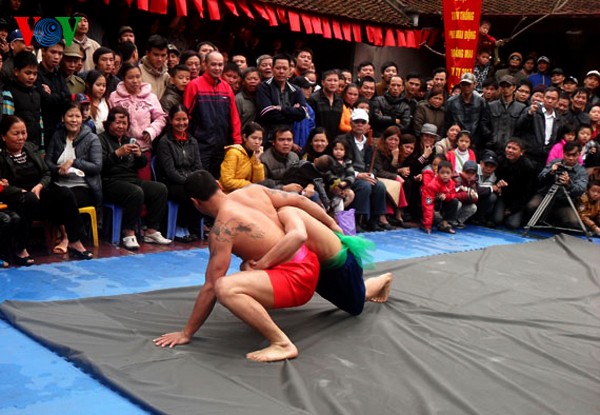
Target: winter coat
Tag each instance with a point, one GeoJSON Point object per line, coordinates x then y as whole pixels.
{"type": "Point", "coordinates": [158, 79]}
{"type": "Point", "coordinates": [88, 158]}
{"type": "Point", "coordinates": [239, 170]}
{"type": "Point", "coordinates": [215, 121]}
{"type": "Point", "coordinates": [176, 160]}
{"type": "Point", "coordinates": [145, 113]}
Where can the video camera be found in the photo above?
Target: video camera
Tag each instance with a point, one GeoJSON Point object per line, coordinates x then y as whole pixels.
{"type": "Point", "coordinates": [560, 169]}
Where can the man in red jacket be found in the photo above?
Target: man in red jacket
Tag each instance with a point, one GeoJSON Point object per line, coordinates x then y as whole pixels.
{"type": "Point", "coordinates": [215, 121]}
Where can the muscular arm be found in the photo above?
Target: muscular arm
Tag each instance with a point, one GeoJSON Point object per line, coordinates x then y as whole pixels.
{"type": "Point", "coordinates": [220, 244]}
{"type": "Point", "coordinates": [295, 236]}
{"type": "Point", "coordinates": [281, 199]}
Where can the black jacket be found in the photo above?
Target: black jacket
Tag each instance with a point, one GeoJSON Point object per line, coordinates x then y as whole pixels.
{"type": "Point", "coordinates": [176, 160]}
{"type": "Point", "coordinates": [473, 116]}
{"type": "Point", "coordinates": [53, 104]}
{"type": "Point", "coordinates": [520, 177]}
{"type": "Point", "coordinates": [119, 168]}
{"type": "Point", "coordinates": [269, 96]}
{"type": "Point", "coordinates": [504, 122]}
{"type": "Point", "coordinates": [387, 109]}
{"type": "Point", "coordinates": [9, 172]}
{"type": "Point", "coordinates": [88, 153]}
{"type": "Point", "coordinates": [531, 128]}
{"type": "Point", "coordinates": [327, 115]}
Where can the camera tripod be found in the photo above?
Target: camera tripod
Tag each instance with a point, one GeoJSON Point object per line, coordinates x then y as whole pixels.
{"type": "Point", "coordinates": [543, 210]}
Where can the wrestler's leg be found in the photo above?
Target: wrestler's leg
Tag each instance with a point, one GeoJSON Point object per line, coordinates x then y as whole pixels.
{"type": "Point", "coordinates": [377, 289]}
{"type": "Point", "coordinates": [247, 295]}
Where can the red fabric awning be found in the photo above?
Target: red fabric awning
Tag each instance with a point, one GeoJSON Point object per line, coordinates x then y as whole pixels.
{"type": "Point", "coordinates": [327, 26]}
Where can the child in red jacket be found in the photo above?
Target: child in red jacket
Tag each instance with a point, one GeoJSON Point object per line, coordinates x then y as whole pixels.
{"type": "Point", "coordinates": [440, 192]}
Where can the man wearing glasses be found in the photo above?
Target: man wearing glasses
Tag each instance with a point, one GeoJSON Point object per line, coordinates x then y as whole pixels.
{"type": "Point", "coordinates": [515, 61]}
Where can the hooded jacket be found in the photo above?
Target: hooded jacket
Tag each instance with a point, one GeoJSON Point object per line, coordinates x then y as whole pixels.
{"type": "Point", "coordinates": [158, 79]}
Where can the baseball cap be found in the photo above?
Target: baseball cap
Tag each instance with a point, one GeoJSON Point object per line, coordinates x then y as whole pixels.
{"type": "Point", "coordinates": [543, 59]}
{"type": "Point", "coordinates": [359, 114]}
{"type": "Point", "coordinates": [428, 128]}
{"type": "Point", "coordinates": [489, 157]}
{"type": "Point", "coordinates": [171, 48]}
{"type": "Point", "coordinates": [80, 98]}
{"type": "Point", "coordinates": [507, 79]}
{"type": "Point", "coordinates": [571, 79]}
{"type": "Point", "coordinates": [593, 73]}
{"type": "Point", "coordinates": [468, 78]}
{"type": "Point", "coordinates": [15, 35]}
{"type": "Point", "coordinates": [3, 23]}
{"type": "Point", "coordinates": [73, 50]}
{"type": "Point", "coordinates": [125, 29]}
{"type": "Point", "coordinates": [469, 165]}
{"type": "Point", "coordinates": [558, 71]}
{"type": "Point", "coordinates": [302, 82]}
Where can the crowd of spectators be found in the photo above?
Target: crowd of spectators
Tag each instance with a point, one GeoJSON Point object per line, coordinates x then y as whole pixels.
{"type": "Point", "coordinates": [86, 124]}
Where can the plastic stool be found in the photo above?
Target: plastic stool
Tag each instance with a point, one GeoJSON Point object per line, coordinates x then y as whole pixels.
{"type": "Point", "coordinates": [117, 217]}
{"type": "Point", "coordinates": [172, 210]}
{"type": "Point", "coordinates": [91, 210]}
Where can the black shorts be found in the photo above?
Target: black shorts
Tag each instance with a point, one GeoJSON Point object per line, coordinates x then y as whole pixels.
{"type": "Point", "coordinates": [344, 287]}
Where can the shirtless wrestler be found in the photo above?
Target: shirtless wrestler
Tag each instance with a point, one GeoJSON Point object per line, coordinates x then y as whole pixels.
{"type": "Point", "coordinates": [247, 225]}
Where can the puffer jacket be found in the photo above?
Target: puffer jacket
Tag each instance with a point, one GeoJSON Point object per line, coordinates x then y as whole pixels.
{"type": "Point", "coordinates": [145, 113]}
{"type": "Point", "coordinates": [239, 170]}
{"type": "Point", "coordinates": [387, 109]}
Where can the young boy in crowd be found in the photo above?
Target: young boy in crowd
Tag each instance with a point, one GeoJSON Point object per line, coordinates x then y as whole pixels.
{"type": "Point", "coordinates": [440, 193]}
{"type": "Point", "coordinates": [22, 98]}
{"type": "Point", "coordinates": [466, 193]}
{"type": "Point", "coordinates": [588, 207]}
{"type": "Point", "coordinates": [180, 77]}
{"type": "Point", "coordinates": [84, 104]}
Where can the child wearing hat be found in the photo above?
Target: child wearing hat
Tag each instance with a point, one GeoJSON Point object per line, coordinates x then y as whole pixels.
{"type": "Point", "coordinates": [84, 104]}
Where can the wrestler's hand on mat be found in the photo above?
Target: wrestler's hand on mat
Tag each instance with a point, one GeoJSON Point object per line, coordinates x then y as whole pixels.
{"type": "Point", "coordinates": [172, 339]}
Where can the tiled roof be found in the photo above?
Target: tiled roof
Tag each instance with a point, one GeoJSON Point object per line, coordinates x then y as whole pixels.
{"type": "Point", "coordinates": [383, 13]}
{"type": "Point", "coordinates": [515, 7]}
{"type": "Point", "coordinates": [373, 11]}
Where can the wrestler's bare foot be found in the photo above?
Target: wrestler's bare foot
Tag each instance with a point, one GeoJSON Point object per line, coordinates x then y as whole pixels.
{"type": "Point", "coordinates": [380, 288]}
{"type": "Point", "coordinates": [274, 352]}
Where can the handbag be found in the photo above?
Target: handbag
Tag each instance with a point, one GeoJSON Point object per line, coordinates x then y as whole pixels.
{"type": "Point", "coordinates": [347, 221]}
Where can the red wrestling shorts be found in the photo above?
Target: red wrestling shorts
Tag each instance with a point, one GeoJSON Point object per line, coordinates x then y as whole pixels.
{"type": "Point", "coordinates": [294, 282]}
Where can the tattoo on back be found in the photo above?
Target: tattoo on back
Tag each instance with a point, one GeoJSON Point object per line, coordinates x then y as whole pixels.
{"type": "Point", "coordinates": [229, 230]}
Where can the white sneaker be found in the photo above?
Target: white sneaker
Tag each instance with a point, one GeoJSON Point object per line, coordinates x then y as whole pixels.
{"type": "Point", "coordinates": [130, 242]}
{"type": "Point", "coordinates": [156, 238]}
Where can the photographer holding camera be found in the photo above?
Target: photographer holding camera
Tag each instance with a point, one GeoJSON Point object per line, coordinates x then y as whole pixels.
{"type": "Point", "coordinates": [565, 172]}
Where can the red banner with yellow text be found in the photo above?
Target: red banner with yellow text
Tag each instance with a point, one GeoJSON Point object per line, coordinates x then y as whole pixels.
{"type": "Point", "coordinates": [461, 30]}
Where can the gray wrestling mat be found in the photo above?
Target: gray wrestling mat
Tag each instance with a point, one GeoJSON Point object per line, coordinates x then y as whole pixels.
{"type": "Point", "coordinates": [505, 330]}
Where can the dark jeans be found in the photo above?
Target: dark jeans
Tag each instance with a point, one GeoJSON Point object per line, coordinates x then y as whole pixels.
{"type": "Point", "coordinates": [57, 204]}
{"type": "Point", "coordinates": [369, 199]}
{"type": "Point", "coordinates": [512, 221]}
{"type": "Point", "coordinates": [132, 196]}
{"type": "Point", "coordinates": [449, 209]}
